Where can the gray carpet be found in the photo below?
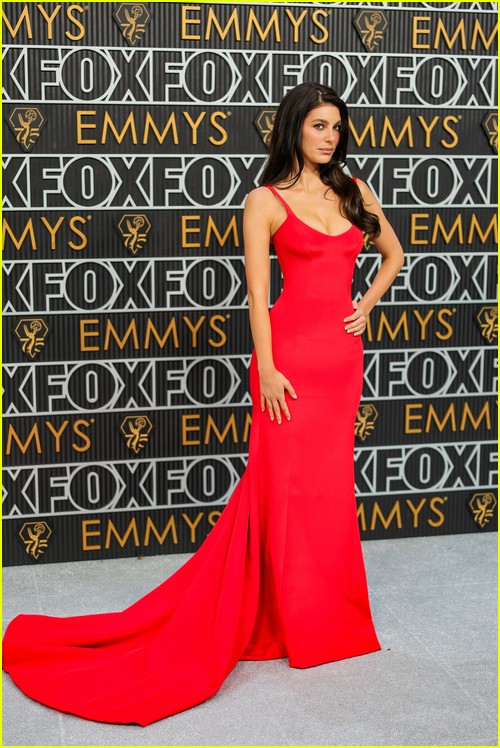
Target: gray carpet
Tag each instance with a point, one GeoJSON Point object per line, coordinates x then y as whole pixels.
{"type": "Point", "coordinates": [433, 683]}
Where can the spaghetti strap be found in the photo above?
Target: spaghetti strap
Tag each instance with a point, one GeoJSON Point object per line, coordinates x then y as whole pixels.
{"type": "Point", "coordinates": [275, 192]}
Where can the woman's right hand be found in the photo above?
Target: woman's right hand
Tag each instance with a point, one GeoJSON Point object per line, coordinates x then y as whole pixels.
{"type": "Point", "coordinates": [272, 393]}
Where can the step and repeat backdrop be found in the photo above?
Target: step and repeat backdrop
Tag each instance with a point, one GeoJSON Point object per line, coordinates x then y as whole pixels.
{"type": "Point", "coordinates": [132, 133]}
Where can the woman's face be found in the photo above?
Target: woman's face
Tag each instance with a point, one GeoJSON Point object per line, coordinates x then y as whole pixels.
{"type": "Point", "coordinates": [320, 134]}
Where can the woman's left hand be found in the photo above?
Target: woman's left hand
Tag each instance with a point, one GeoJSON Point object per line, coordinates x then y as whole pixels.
{"type": "Point", "coordinates": [357, 321]}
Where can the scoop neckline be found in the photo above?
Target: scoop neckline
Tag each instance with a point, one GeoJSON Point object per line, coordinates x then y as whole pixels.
{"type": "Point", "coordinates": [323, 233]}
{"type": "Point", "coordinates": [318, 231]}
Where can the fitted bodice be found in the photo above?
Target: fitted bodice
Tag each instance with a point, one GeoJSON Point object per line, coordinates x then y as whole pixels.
{"type": "Point", "coordinates": [315, 264]}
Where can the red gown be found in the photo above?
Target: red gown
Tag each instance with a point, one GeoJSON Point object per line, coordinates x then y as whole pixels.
{"type": "Point", "coordinates": [281, 574]}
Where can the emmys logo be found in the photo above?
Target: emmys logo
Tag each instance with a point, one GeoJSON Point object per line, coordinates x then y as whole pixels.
{"type": "Point", "coordinates": [264, 124]}
{"type": "Point", "coordinates": [490, 126]}
{"type": "Point", "coordinates": [371, 26]}
{"type": "Point", "coordinates": [31, 334]}
{"type": "Point", "coordinates": [132, 18]}
{"type": "Point", "coordinates": [134, 229]}
{"type": "Point", "coordinates": [487, 318]}
{"type": "Point", "coordinates": [365, 420]}
{"type": "Point", "coordinates": [482, 506]}
{"type": "Point", "coordinates": [35, 536]}
{"type": "Point", "coordinates": [26, 124]}
{"type": "Point", "coordinates": [136, 430]}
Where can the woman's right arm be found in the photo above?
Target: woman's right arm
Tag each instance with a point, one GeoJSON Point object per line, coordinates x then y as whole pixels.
{"type": "Point", "coordinates": [257, 220]}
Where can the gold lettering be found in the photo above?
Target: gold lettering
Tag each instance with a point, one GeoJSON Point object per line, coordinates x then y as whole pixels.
{"type": "Point", "coordinates": [436, 500]}
{"type": "Point", "coordinates": [213, 326]}
{"type": "Point", "coordinates": [441, 32]}
{"type": "Point", "coordinates": [456, 227]}
{"type": "Point", "coordinates": [87, 443]}
{"type": "Point", "coordinates": [186, 229]}
{"type": "Point", "coordinates": [187, 21]}
{"type": "Point", "coordinates": [52, 230]}
{"type": "Point", "coordinates": [194, 126]}
{"type": "Point", "coordinates": [476, 228]}
{"type": "Point", "coordinates": [230, 426]}
{"type": "Point", "coordinates": [76, 22]}
{"type": "Point", "coordinates": [212, 228]}
{"type": "Point", "coordinates": [131, 530]}
{"type": "Point", "coordinates": [23, 446]}
{"type": "Point", "coordinates": [447, 127]}
{"type": "Point", "coordinates": [415, 227]}
{"type": "Point", "coordinates": [428, 128]}
{"type": "Point", "coordinates": [387, 128]}
{"type": "Point", "coordinates": [130, 331]}
{"type": "Point", "coordinates": [247, 427]}
{"type": "Point", "coordinates": [194, 329]}
{"type": "Point", "coordinates": [86, 534]}
{"type": "Point", "coordinates": [418, 31]}
{"type": "Point", "coordinates": [72, 224]}
{"type": "Point", "coordinates": [409, 417]}
{"type": "Point", "coordinates": [442, 313]}
{"type": "Point", "coordinates": [57, 433]}
{"type": "Point", "coordinates": [377, 513]}
{"type": "Point", "coordinates": [478, 32]}
{"type": "Point", "coordinates": [160, 137]}
{"type": "Point", "coordinates": [25, 16]}
{"type": "Point", "coordinates": [476, 422]}
{"type": "Point", "coordinates": [80, 125]}
{"type": "Point", "coordinates": [169, 527]}
{"type": "Point", "coordinates": [315, 19]}
{"type": "Point", "coordinates": [28, 231]}
{"type": "Point", "coordinates": [361, 514]}
{"type": "Point", "coordinates": [369, 128]}
{"type": "Point", "coordinates": [171, 329]}
{"type": "Point", "coordinates": [273, 22]}
{"type": "Point", "coordinates": [193, 525]}
{"type": "Point", "coordinates": [49, 19]}
{"type": "Point", "coordinates": [109, 124]}
{"type": "Point", "coordinates": [423, 321]}
{"type": "Point", "coordinates": [385, 325]}
{"type": "Point", "coordinates": [213, 121]}
{"type": "Point", "coordinates": [415, 510]}
{"type": "Point", "coordinates": [185, 428]}
{"type": "Point", "coordinates": [84, 323]}
{"type": "Point", "coordinates": [296, 22]}
{"type": "Point", "coordinates": [213, 20]}
{"type": "Point", "coordinates": [213, 517]}
{"type": "Point", "coordinates": [432, 417]}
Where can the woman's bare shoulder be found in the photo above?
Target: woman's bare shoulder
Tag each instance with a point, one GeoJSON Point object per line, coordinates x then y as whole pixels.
{"type": "Point", "coordinates": [258, 196]}
{"type": "Point", "coordinates": [260, 201]}
{"type": "Point", "coordinates": [366, 193]}
{"type": "Point", "coordinates": [363, 187]}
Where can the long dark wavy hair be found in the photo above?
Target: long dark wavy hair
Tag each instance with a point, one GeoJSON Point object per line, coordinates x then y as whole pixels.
{"type": "Point", "coordinates": [285, 152]}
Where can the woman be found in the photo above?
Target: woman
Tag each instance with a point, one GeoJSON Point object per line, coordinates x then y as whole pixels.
{"type": "Point", "coordinates": [281, 574]}
{"type": "Point", "coordinates": [306, 376]}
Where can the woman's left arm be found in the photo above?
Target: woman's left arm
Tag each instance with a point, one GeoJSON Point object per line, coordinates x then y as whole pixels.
{"type": "Point", "coordinates": [389, 246]}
